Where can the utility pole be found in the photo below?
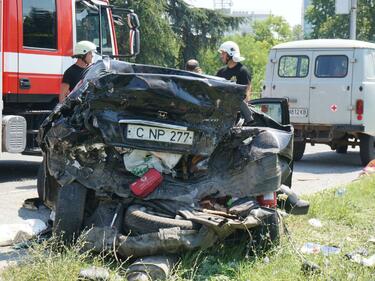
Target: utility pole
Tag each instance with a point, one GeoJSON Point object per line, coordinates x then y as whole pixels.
{"type": "Point", "coordinates": [353, 19]}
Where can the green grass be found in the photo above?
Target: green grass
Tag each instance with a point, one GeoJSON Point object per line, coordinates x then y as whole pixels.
{"type": "Point", "coordinates": [348, 222]}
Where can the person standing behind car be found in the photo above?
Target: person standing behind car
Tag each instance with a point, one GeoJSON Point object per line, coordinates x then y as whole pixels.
{"type": "Point", "coordinates": [83, 52]}
{"type": "Point", "coordinates": [234, 70]}
{"type": "Point", "coordinates": [193, 66]}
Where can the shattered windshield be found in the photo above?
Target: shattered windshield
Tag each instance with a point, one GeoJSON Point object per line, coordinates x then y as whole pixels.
{"type": "Point", "coordinates": [87, 26]}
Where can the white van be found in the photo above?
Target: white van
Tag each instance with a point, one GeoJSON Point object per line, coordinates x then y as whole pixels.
{"type": "Point", "coordinates": [330, 87]}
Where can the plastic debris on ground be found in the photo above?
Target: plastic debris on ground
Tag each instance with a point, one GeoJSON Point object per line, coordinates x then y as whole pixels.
{"type": "Point", "coordinates": [32, 204]}
{"type": "Point", "coordinates": [309, 267]}
{"type": "Point", "coordinates": [315, 248]}
{"type": "Point", "coordinates": [11, 234]}
{"type": "Point", "coordinates": [371, 239]}
{"type": "Point", "coordinates": [369, 169]}
{"type": "Point", "coordinates": [340, 192]}
{"type": "Point", "coordinates": [315, 223]}
{"type": "Point", "coordinates": [370, 261]}
{"type": "Point", "coordinates": [94, 273]}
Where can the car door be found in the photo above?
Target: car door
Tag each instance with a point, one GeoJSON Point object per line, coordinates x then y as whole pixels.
{"type": "Point", "coordinates": [278, 110]}
{"type": "Point", "coordinates": [291, 80]}
{"type": "Point", "coordinates": [331, 87]}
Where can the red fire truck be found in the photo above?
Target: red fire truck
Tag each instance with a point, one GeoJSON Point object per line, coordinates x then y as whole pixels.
{"type": "Point", "coordinates": [36, 45]}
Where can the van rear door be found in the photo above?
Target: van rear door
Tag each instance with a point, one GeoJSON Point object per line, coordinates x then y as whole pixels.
{"type": "Point", "coordinates": [331, 87]}
{"type": "Point", "coordinates": [291, 80]}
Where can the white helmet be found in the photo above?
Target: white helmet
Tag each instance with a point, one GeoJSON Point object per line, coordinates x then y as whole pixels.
{"type": "Point", "coordinates": [83, 47]}
{"type": "Point", "coordinates": [232, 49]}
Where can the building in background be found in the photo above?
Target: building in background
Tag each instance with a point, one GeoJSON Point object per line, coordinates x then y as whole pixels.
{"type": "Point", "coordinates": [225, 6]}
{"type": "Point", "coordinates": [307, 27]}
{"type": "Point", "coordinates": [250, 17]}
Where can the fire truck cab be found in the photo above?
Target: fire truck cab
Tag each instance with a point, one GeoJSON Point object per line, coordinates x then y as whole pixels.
{"type": "Point", "coordinates": [36, 45]}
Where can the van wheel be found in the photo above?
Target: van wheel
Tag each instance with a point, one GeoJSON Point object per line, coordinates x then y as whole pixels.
{"type": "Point", "coordinates": [342, 149]}
{"type": "Point", "coordinates": [70, 207]}
{"type": "Point", "coordinates": [298, 150]}
{"type": "Point", "coordinates": [367, 148]}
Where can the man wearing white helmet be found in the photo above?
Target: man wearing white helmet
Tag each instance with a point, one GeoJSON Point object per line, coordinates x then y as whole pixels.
{"type": "Point", "coordinates": [83, 52]}
{"type": "Point", "coordinates": [234, 70]}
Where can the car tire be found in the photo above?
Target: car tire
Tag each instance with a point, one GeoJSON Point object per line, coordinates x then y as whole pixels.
{"type": "Point", "coordinates": [267, 234]}
{"type": "Point", "coordinates": [69, 213]}
{"type": "Point", "coordinates": [139, 221]}
{"type": "Point", "coordinates": [41, 181]}
{"type": "Point", "coordinates": [298, 150]}
{"type": "Point", "coordinates": [367, 148]}
{"type": "Point", "coordinates": [342, 149]}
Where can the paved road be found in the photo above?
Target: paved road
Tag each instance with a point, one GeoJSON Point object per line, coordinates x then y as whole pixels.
{"type": "Point", "coordinates": [17, 183]}
{"type": "Point", "coordinates": [322, 168]}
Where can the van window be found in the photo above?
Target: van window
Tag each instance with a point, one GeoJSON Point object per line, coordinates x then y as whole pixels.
{"type": "Point", "coordinates": [331, 66]}
{"type": "Point", "coordinates": [39, 24]}
{"type": "Point", "coordinates": [87, 25]}
{"type": "Point", "coordinates": [293, 66]}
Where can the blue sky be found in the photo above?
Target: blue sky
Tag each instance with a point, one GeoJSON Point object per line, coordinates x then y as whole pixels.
{"type": "Point", "coordinates": [289, 9]}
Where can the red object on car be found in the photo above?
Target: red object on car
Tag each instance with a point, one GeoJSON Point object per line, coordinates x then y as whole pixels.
{"type": "Point", "coordinates": [267, 200]}
{"type": "Point", "coordinates": [147, 183]}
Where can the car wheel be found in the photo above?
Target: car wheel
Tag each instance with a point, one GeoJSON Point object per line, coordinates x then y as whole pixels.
{"type": "Point", "coordinates": [367, 148]}
{"type": "Point", "coordinates": [342, 149]}
{"type": "Point", "coordinates": [267, 234]}
{"type": "Point", "coordinates": [140, 221]}
{"type": "Point", "coordinates": [70, 207]}
{"type": "Point", "coordinates": [41, 181]}
{"type": "Point", "coordinates": [298, 150]}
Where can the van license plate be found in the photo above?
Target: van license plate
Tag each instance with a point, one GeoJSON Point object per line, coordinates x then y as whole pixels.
{"type": "Point", "coordinates": [140, 132]}
{"type": "Point", "coordinates": [298, 112]}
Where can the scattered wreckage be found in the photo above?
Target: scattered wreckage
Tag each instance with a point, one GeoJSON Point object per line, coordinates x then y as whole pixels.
{"type": "Point", "coordinates": [159, 160]}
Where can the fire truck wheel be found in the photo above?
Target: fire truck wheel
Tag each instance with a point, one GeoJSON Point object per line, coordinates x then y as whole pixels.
{"type": "Point", "coordinates": [140, 221]}
{"type": "Point", "coordinates": [298, 150]}
{"type": "Point", "coordinates": [40, 181]}
{"type": "Point", "coordinates": [70, 207]}
{"type": "Point", "coordinates": [267, 234]}
{"type": "Point", "coordinates": [366, 148]}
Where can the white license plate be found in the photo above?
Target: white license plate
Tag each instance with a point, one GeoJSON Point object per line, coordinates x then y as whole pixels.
{"type": "Point", "coordinates": [298, 112]}
{"type": "Point", "coordinates": [140, 132]}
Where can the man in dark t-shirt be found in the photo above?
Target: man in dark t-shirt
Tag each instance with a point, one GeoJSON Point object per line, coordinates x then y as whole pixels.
{"type": "Point", "coordinates": [83, 52]}
{"type": "Point", "coordinates": [234, 70]}
{"type": "Point", "coordinates": [72, 76]}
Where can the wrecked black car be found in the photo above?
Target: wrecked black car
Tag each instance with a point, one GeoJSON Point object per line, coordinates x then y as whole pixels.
{"type": "Point", "coordinates": [162, 161]}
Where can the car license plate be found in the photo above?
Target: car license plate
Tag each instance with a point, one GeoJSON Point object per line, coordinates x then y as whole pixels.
{"type": "Point", "coordinates": [298, 112]}
{"type": "Point", "coordinates": [158, 134]}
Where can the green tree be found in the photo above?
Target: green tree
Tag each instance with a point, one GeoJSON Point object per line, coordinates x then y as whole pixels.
{"type": "Point", "coordinates": [326, 24]}
{"type": "Point", "coordinates": [199, 29]}
{"type": "Point", "coordinates": [173, 32]}
{"type": "Point", "coordinates": [297, 32]}
{"type": "Point", "coordinates": [273, 30]}
{"type": "Point", "coordinates": [159, 43]}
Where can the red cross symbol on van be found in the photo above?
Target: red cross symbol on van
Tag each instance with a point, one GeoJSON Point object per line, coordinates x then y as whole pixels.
{"type": "Point", "coordinates": [334, 107]}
